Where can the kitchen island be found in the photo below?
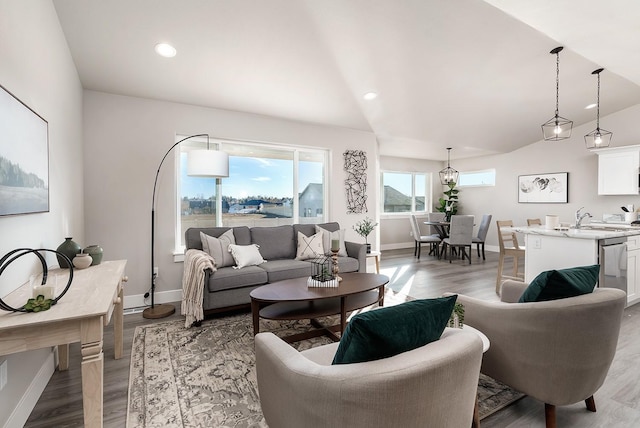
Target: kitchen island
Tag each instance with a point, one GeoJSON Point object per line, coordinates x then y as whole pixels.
{"type": "Point", "coordinates": [615, 247]}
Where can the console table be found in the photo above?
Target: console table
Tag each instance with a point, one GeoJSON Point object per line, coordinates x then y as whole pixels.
{"type": "Point", "coordinates": [80, 316]}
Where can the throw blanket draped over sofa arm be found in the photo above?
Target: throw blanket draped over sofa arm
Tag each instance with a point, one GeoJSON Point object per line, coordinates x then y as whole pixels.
{"type": "Point", "coordinates": [197, 265]}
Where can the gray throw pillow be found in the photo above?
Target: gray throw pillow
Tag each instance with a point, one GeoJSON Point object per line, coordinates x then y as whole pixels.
{"type": "Point", "coordinates": [218, 248]}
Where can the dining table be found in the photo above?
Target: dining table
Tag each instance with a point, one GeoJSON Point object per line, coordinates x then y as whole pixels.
{"type": "Point", "coordinates": [441, 227]}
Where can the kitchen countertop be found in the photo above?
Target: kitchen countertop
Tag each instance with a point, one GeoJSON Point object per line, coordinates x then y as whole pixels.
{"type": "Point", "coordinates": [594, 231]}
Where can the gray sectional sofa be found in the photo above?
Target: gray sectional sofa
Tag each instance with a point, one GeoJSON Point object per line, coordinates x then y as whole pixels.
{"type": "Point", "coordinates": [228, 288]}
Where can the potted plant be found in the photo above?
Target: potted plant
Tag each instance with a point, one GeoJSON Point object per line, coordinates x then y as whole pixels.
{"type": "Point", "coordinates": [449, 206]}
{"type": "Point", "coordinates": [364, 228]}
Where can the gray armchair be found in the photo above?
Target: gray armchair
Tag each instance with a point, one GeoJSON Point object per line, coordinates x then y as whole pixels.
{"type": "Point", "coordinates": [431, 386]}
{"type": "Point", "coordinates": [558, 352]}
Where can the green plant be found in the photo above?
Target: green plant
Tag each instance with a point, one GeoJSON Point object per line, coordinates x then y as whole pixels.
{"type": "Point", "coordinates": [449, 206]}
{"type": "Point", "coordinates": [458, 311]}
{"type": "Point", "coordinates": [38, 304]}
{"type": "Point", "coordinates": [365, 227]}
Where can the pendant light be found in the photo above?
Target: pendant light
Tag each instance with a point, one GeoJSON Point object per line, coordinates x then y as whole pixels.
{"type": "Point", "coordinates": [557, 128]}
{"type": "Point", "coordinates": [598, 138]}
{"type": "Point", "coordinates": [449, 175]}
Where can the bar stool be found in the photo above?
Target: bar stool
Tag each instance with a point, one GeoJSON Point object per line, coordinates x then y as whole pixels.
{"type": "Point", "coordinates": [534, 222]}
{"type": "Point", "coordinates": [509, 247]}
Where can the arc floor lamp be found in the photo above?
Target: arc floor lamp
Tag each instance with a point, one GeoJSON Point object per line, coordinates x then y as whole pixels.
{"type": "Point", "coordinates": [200, 163]}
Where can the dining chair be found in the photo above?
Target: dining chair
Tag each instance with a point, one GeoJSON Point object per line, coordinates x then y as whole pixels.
{"type": "Point", "coordinates": [534, 222]}
{"type": "Point", "coordinates": [460, 236]}
{"type": "Point", "coordinates": [432, 240]}
{"type": "Point", "coordinates": [509, 247]}
{"type": "Point", "coordinates": [439, 231]}
{"type": "Point", "coordinates": [482, 233]}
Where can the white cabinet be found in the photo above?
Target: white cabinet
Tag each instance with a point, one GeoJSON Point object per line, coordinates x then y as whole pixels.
{"type": "Point", "coordinates": [618, 169]}
{"type": "Point", "coordinates": [633, 269]}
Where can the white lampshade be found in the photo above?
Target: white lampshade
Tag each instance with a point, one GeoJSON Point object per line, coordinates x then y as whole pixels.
{"type": "Point", "coordinates": [207, 163]}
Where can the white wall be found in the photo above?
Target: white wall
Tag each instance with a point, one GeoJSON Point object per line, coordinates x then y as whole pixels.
{"type": "Point", "coordinates": [125, 139]}
{"type": "Point", "coordinates": [395, 229]}
{"type": "Point", "coordinates": [38, 69]}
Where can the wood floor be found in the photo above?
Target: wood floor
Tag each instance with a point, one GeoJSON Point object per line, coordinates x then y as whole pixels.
{"type": "Point", "coordinates": [618, 401]}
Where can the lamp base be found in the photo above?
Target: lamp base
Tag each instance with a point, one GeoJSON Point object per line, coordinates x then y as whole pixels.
{"type": "Point", "coordinates": [158, 311]}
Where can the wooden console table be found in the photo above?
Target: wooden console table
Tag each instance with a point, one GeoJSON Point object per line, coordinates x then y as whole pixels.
{"type": "Point", "coordinates": [80, 316]}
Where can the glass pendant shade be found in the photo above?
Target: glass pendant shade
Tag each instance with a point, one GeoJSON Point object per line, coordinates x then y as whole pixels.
{"type": "Point", "coordinates": [207, 163]}
{"type": "Point", "coordinates": [557, 128]}
{"type": "Point", "coordinates": [598, 138]}
{"type": "Point", "coordinates": [448, 175]}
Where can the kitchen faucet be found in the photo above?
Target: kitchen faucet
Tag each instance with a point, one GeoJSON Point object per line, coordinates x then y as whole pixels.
{"type": "Point", "coordinates": [580, 216]}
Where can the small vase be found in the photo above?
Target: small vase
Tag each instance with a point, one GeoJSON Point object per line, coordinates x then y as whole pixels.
{"type": "Point", "coordinates": [69, 249]}
{"type": "Point", "coordinates": [95, 251]}
{"type": "Point", "coordinates": [82, 261]}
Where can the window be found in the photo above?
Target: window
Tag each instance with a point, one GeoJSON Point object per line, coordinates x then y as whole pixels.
{"type": "Point", "coordinates": [405, 192]}
{"type": "Point", "coordinates": [477, 178]}
{"type": "Point", "coordinates": [267, 185]}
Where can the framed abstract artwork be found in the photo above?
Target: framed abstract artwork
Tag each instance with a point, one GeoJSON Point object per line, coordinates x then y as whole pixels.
{"type": "Point", "coordinates": [544, 188]}
{"type": "Point", "coordinates": [24, 158]}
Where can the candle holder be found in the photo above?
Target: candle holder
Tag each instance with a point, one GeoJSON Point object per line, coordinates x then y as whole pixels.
{"type": "Point", "coordinates": [334, 261]}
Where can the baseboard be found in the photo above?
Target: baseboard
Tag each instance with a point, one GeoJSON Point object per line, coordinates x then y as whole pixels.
{"type": "Point", "coordinates": [138, 300]}
{"type": "Point", "coordinates": [30, 398]}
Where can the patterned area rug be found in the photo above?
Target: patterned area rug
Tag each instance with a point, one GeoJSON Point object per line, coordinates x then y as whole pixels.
{"type": "Point", "coordinates": [205, 376]}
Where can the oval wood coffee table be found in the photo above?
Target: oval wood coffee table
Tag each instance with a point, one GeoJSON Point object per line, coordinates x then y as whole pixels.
{"type": "Point", "coordinates": [291, 299]}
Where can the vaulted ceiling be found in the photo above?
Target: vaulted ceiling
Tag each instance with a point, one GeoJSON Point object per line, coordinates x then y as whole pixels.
{"type": "Point", "coordinates": [470, 74]}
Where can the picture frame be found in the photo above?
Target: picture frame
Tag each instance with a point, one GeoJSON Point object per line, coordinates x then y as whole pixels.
{"type": "Point", "coordinates": [548, 188]}
{"type": "Point", "coordinates": [24, 158]}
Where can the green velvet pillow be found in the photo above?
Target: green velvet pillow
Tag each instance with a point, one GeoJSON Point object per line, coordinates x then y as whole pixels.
{"type": "Point", "coordinates": [558, 284]}
{"type": "Point", "coordinates": [389, 331]}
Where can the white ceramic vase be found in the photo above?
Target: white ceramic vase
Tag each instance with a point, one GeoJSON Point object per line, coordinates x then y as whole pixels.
{"type": "Point", "coordinates": [82, 261]}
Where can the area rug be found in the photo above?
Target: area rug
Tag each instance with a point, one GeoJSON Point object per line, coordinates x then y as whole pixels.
{"type": "Point", "coordinates": [205, 376]}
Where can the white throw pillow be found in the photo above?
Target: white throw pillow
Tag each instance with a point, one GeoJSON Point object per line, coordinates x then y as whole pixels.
{"type": "Point", "coordinates": [327, 237]}
{"type": "Point", "coordinates": [218, 248]}
{"type": "Point", "coordinates": [246, 255]}
{"type": "Point", "coordinates": [309, 247]}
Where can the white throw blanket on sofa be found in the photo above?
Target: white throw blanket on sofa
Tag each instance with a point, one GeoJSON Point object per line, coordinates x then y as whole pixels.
{"type": "Point", "coordinates": [195, 264]}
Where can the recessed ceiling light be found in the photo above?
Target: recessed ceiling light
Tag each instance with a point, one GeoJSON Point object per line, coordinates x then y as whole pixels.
{"type": "Point", "coordinates": [370, 96]}
{"type": "Point", "coordinates": [590, 106]}
{"type": "Point", "coordinates": [165, 50]}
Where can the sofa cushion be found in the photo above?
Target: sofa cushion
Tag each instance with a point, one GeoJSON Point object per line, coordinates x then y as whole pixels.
{"type": "Point", "coordinates": [279, 270]}
{"type": "Point", "coordinates": [218, 248]}
{"type": "Point", "coordinates": [228, 278]}
{"type": "Point", "coordinates": [348, 264]}
{"type": "Point", "coordinates": [562, 283]}
{"type": "Point", "coordinates": [310, 247]}
{"type": "Point", "coordinates": [275, 242]}
{"type": "Point", "coordinates": [389, 331]}
{"type": "Point", "coordinates": [328, 237]}
{"type": "Point", "coordinates": [245, 255]}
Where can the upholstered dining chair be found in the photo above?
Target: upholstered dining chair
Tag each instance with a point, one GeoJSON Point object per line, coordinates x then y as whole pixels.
{"type": "Point", "coordinates": [431, 386]}
{"type": "Point", "coordinates": [432, 240]}
{"type": "Point", "coordinates": [509, 247]}
{"type": "Point", "coordinates": [558, 352]}
{"type": "Point", "coordinates": [534, 222]}
{"type": "Point", "coordinates": [482, 233]}
{"type": "Point", "coordinates": [460, 236]}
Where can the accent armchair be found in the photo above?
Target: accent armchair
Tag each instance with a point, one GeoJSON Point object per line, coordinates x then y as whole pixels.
{"type": "Point", "coordinates": [431, 386]}
{"type": "Point", "coordinates": [558, 351]}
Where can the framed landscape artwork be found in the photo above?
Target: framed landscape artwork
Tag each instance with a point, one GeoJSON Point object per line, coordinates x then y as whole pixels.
{"type": "Point", "coordinates": [24, 158]}
{"type": "Point", "coordinates": [544, 188]}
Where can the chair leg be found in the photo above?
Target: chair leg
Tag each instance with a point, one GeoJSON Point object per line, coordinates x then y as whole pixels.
{"type": "Point", "coordinates": [483, 251]}
{"type": "Point", "coordinates": [515, 266]}
{"type": "Point", "coordinates": [469, 256]}
{"type": "Point", "coordinates": [415, 248]}
{"type": "Point", "coordinates": [500, 266]}
{"type": "Point", "coordinates": [477, 248]}
{"type": "Point", "coordinates": [591, 404]}
{"type": "Point", "coordinates": [550, 415]}
{"type": "Point", "coordinates": [419, 249]}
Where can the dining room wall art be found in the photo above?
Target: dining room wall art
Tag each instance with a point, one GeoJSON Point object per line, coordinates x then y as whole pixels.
{"type": "Point", "coordinates": [552, 188]}
{"type": "Point", "coordinates": [355, 164]}
{"type": "Point", "coordinates": [24, 158]}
